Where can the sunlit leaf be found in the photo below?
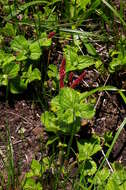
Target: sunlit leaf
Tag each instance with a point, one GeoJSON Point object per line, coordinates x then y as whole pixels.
{"type": "Point", "coordinates": [83, 3]}
{"type": "Point", "coordinates": [44, 40]}
{"type": "Point", "coordinates": [53, 71]}
{"type": "Point", "coordinates": [68, 106]}
{"type": "Point", "coordinates": [35, 50]}
{"type": "Point", "coordinates": [30, 184]}
{"type": "Point", "coordinates": [20, 44]}
{"type": "Point", "coordinates": [11, 69]}
{"type": "Point", "coordinates": [89, 147]}
{"type": "Point", "coordinates": [101, 177]}
{"type": "Point", "coordinates": [36, 167]}
{"type": "Point", "coordinates": [9, 30]}
{"type": "Point", "coordinates": [88, 168]}
{"type": "Point", "coordinates": [50, 122]}
{"type": "Point", "coordinates": [75, 61]}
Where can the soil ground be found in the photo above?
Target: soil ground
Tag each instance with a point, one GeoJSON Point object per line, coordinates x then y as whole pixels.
{"type": "Point", "coordinates": [25, 130]}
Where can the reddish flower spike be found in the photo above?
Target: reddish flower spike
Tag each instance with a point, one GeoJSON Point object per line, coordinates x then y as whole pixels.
{"type": "Point", "coordinates": [78, 80]}
{"type": "Point", "coordinates": [70, 78]}
{"type": "Point", "coordinates": [51, 34]}
{"type": "Point", "coordinates": [62, 72]}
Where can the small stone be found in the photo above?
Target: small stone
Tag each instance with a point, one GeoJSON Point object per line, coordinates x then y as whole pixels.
{"type": "Point", "coordinates": [84, 122]}
{"type": "Point", "coordinates": [38, 131]}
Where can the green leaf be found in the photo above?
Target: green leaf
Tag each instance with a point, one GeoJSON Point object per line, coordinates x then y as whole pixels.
{"type": "Point", "coordinates": [101, 178]}
{"type": "Point", "coordinates": [21, 56]}
{"type": "Point", "coordinates": [17, 85]}
{"type": "Point", "coordinates": [90, 49]}
{"type": "Point", "coordinates": [11, 69]}
{"type": "Point", "coordinates": [71, 58]}
{"type": "Point", "coordinates": [30, 184]}
{"type": "Point", "coordinates": [9, 30]}
{"type": "Point", "coordinates": [66, 116]}
{"type": "Point", "coordinates": [99, 66]}
{"type": "Point", "coordinates": [117, 63]}
{"type": "Point", "coordinates": [85, 111]}
{"type": "Point", "coordinates": [116, 182]}
{"type": "Point", "coordinates": [36, 167]}
{"type": "Point", "coordinates": [51, 140]}
{"type": "Point", "coordinates": [46, 163]}
{"type": "Point", "coordinates": [44, 41]}
{"type": "Point", "coordinates": [68, 105]}
{"type": "Point", "coordinates": [88, 148]}
{"type": "Point", "coordinates": [29, 174]}
{"type": "Point", "coordinates": [113, 185]}
{"type": "Point", "coordinates": [31, 75]}
{"type": "Point", "coordinates": [99, 89]}
{"type": "Point", "coordinates": [3, 80]}
{"type": "Point", "coordinates": [68, 111]}
{"type": "Point", "coordinates": [39, 186]}
{"type": "Point", "coordinates": [35, 50]}
{"type": "Point", "coordinates": [108, 137]}
{"type": "Point", "coordinates": [2, 57]}
{"type": "Point", "coordinates": [58, 124]}
{"type": "Point", "coordinates": [66, 99]}
{"type": "Point", "coordinates": [53, 71]}
{"type": "Point", "coordinates": [85, 62]}
{"type": "Point", "coordinates": [6, 58]}
{"type": "Point", "coordinates": [50, 122]}
{"type": "Point", "coordinates": [117, 179]}
{"type": "Point", "coordinates": [75, 61]}
{"type": "Point", "coordinates": [35, 75]}
{"type": "Point", "coordinates": [20, 44]}
{"type": "Point", "coordinates": [83, 3]}
{"type": "Point", "coordinates": [88, 168]}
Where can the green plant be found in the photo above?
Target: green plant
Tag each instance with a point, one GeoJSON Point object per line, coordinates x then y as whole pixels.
{"type": "Point", "coordinates": [74, 61]}
{"type": "Point", "coordinates": [88, 176]}
{"type": "Point", "coordinates": [118, 57]}
{"type": "Point", "coordinates": [8, 176]}
{"type": "Point", "coordinates": [24, 43]}
{"type": "Point", "coordinates": [16, 72]}
{"type": "Point", "coordinates": [36, 171]}
{"type": "Point", "coordinates": [67, 110]}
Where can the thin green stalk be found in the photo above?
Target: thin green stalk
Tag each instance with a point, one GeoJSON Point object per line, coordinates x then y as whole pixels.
{"type": "Point", "coordinates": [82, 178]}
{"type": "Point", "coordinates": [115, 12]}
{"type": "Point", "coordinates": [110, 148]}
{"type": "Point", "coordinates": [10, 167]}
{"type": "Point", "coordinates": [71, 137]}
{"type": "Point", "coordinates": [75, 7]}
{"type": "Point", "coordinates": [123, 96]}
{"type": "Point", "coordinates": [121, 9]}
{"type": "Point", "coordinates": [113, 142]}
{"type": "Point", "coordinates": [7, 93]}
{"type": "Point", "coordinates": [59, 169]}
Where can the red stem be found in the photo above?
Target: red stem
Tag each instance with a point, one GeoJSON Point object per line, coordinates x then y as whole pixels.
{"type": "Point", "coordinates": [51, 34]}
{"type": "Point", "coordinates": [62, 72]}
{"type": "Point", "coordinates": [78, 80]}
{"type": "Point", "coordinates": [70, 78]}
